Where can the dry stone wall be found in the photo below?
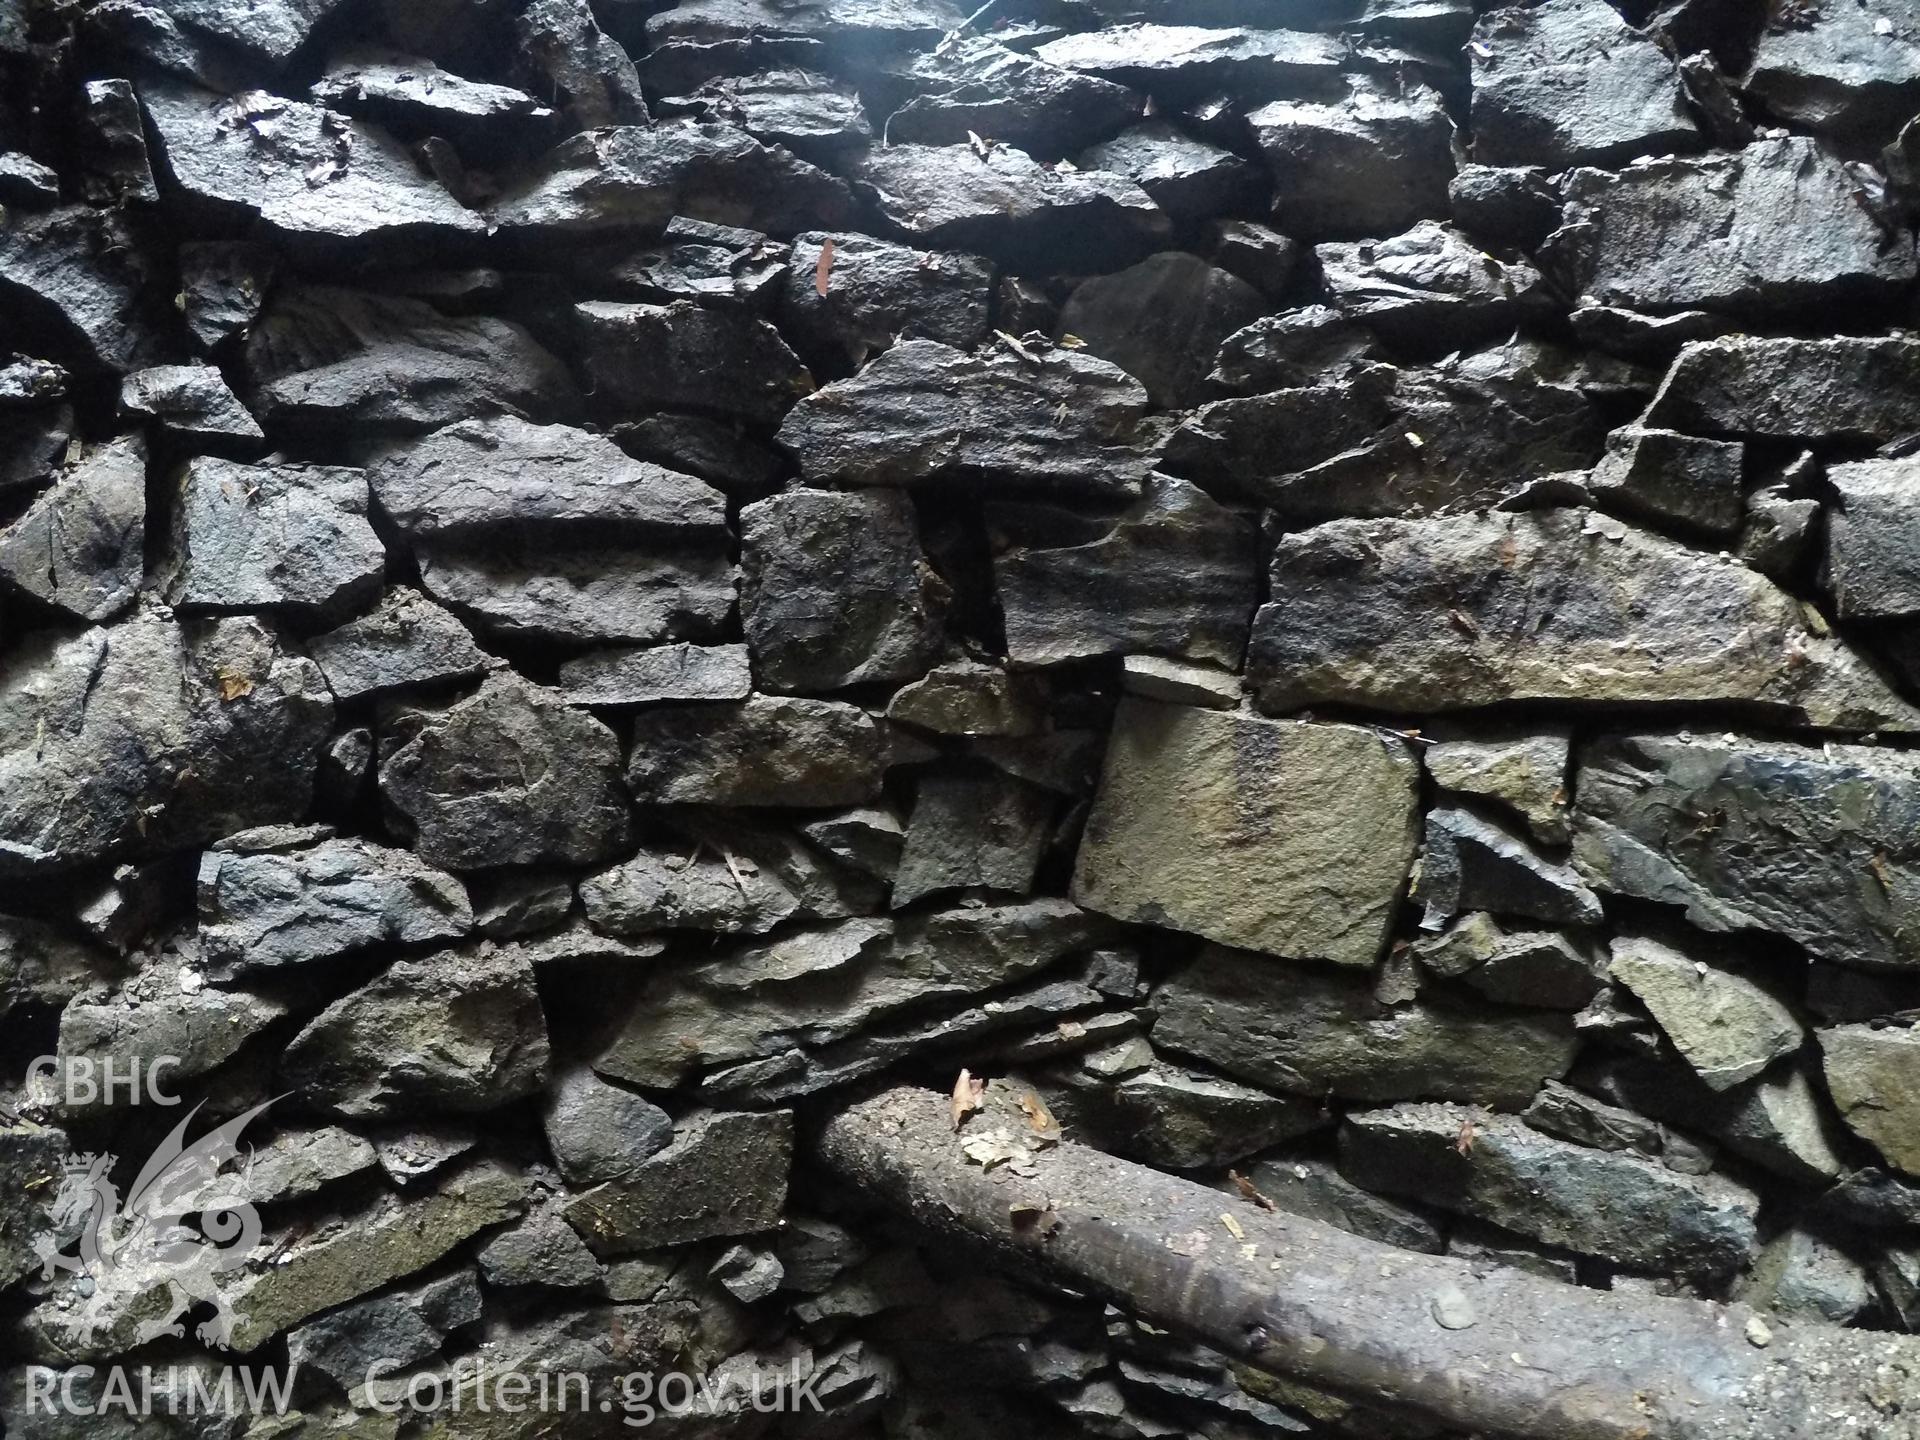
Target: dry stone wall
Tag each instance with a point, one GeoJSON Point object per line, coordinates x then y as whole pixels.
{"type": "Point", "coordinates": [1329, 585]}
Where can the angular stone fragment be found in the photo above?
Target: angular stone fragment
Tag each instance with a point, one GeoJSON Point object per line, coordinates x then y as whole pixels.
{"type": "Point", "coordinates": [1874, 1075]}
{"type": "Point", "coordinates": [459, 1031]}
{"type": "Point", "coordinates": [1517, 205]}
{"type": "Point", "coordinates": [1007, 205]}
{"type": "Point", "coordinates": [1541, 969]}
{"type": "Point", "coordinates": [563, 51]}
{"type": "Point", "coordinates": [288, 538]}
{"type": "Point", "coordinates": [309, 176]}
{"type": "Point", "coordinates": [163, 1011]}
{"type": "Point", "coordinates": [1606, 1203]}
{"type": "Point", "coordinates": [43, 966]}
{"type": "Point", "coordinates": [661, 889]}
{"type": "Point", "coordinates": [869, 838]}
{"type": "Point", "coordinates": [78, 276]}
{"type": "Point", "coordinates": [657, 675]}
{"type": "Point", "coordinates": [1872, 559]}
{"type": "Point", "coordinates": [1848, 388]}
{"type": "Point", "coordinates": [268, 912]}
{"type": "Point", "coordinates": [1183, 64]}
{"type": "Point", "coordinates": [1773, 226]}
{"type": "Point", "coordinates": [1175, 574]}
{"type": "Point", "coordinates": [401, 1328]}
{"type": "Point", "coordinates": [25, 181]}
{"type": "Point", "coordinates": [32, 1159]}
{"type": "Point", "coordinates": [298, 1163]}
{"type": "Point", "coordinates": [870, 292]}
{"type": "Point", "coordinates": [113, 145]}
{"type": "Point", "coordinates": [924, 413]}
{"type": "Point", "coordinates": [1473, 863]}
{"type": "Point", "coordinates": [1420, 615]}
{"type": "Point", "coordinates": [347, 1255]}
{"type": "Point", "coordinates": [1570, 1114]}
{"type": "Point", "coordinates": [1189, 179]}
{"type": "Point", "coordinates": [766, 751]}
{"type": "Point", "coordinates": [122, 714]}
{"type": "Point", "coordinates": [1691, 483]}
{"type": "Point", "coordinates": [982, 830]}
{"type": "Point", "coordinates": [1381, 440]}
{"type": "Point", "coordinates": [1573, 84]}
{"type": "Point", "coordinates": [1314, 1188]}
{"type": "Point", "coordinates": [322, 359]}
{"type": "Point", "coordinates": [541, 1249]}
{"type": "Point", "coordinates": [1167, 1116]}
{"type": "Point", "coordinates": [1372, 162]}
{"type": "Point", "coordinates": [1803, 1276]}
{"type": "Point", "coordinates": [689, 357]}
{"type": "Point", "coordinates": [271, 32]}
{"type": "Point", "coordinates": [1727, 1027]}
{"type": "Point", "coordinates": [691, 260]}
{"type": "Point", "coordinates": [1291, 349]}
{"type": "Point", "coordinates": [1162, 321]}
{"type": "Point", "coordinates": [1525, 771]}
{"type": "Point", "coordinates": [1817, 844]}
{"type": "Point", "coordinates": [1429, 288]}
{"type": "Point", "coordinates": [637, 178]}
{"type": "Point", "coordinates": [509, 775]}
{"type": "Point", "coordinates": [1845, 71]}
{"type": "Point", "coordinates": [412, 94]}
{"type": "Point", "coordinates": [968, 698]}
{"type": "Point", "coordinates": [224, 284]}
{"type": "Point", "coordinates": [817, 117]}
{"type": "Point", "coordinates": [974, 85]}
{"type": "Point", "coordinates": [835, 590]}
{"type": "Point", "coordinates": [1177, 683]}
{"type": "Point", "coordinates": [724, 1174]}
{"type": "Point", "coordinates": [1288, 837]}
{"type": "Point", "coordinates": [599, 1131]}
{"type": "Point", "coordinates": [406, 641]}
{"type": "Point", "coordinates": [817, 987]}
{"type": "Point", "coordinates": [1311, 1031]}
{"type": "Point", "coordinates": [191, 402]}
{"type": "Point", "coordinates": [80, 546]}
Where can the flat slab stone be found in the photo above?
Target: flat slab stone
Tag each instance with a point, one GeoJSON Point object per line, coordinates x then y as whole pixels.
{"type": "Point", "coordinates": [1849, 388]}
{"type": "Point", "coordinates": [1446, 613]}
{"type": "Point", "coordinates": [1815, 843]}
{"type": "Point", "coordinates": [1874, 1075]}
{"type": "Point", "coordinates": [1284, 836]}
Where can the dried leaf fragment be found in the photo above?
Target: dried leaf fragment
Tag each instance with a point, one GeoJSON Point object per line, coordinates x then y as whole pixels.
{"type": "Point", "coordinates": [1249, 1191]}
{"type": "Point", "coordinates": [1233, 1226]}
{"type": "Point", "coordinates": [966, 1097]}
{"type": "Point", "coordinates": [233, 684]}
{"type": "Point", "coordinates": [824, 269]}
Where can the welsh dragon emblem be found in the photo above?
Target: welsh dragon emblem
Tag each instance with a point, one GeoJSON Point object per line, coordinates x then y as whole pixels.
{"type": "Point", "coordinates": [131, 1250]}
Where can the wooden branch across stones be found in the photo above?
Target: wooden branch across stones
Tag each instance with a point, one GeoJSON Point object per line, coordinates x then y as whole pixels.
{"type": "Point", "coordinates": [1491, 1350]}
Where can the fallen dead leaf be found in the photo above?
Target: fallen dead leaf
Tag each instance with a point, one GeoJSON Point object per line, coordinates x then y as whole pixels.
{"type": "Point", "coordinates": [966, 1097]}
{"type": "Point", "coordinates": [233, 685]}
{"type": "Point", "coordinates": [824, 269]}
{"type": "Point", "coordinates": [1233, 1226]}
{"type": "Point", "coordinates": [1038, 1116]}
{"type": "Point", "coordinates": [1248, 1190]}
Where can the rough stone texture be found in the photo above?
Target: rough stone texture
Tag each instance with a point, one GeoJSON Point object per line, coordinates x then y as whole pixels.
{"type": "Point", "coordinates": [1802, 1276]}
{"type": "Point", "coordinates": [458, 1031]}
{"type": "Point", "coordinates": [1161, 321]}
{"type": "Point", "coordinates": [1848, 388]}
{"type": "Point", "coordinates": [1228, 827]}
{"type": "Point", "coordinates": [1186, 177]}
{"type": "Point", "coordinates": [1174, 574]}
{"type": "Point", "coordinates": [976, 85]}
{"type": "Point", "coordinates": [1473, 863]}
{"type": "Point", "coordinates": [123, 713]}
{"type": "Point", "coordinates": [983, 830]}
{"type": "Point", "coordinates": [925, 414]}
{"type": "Point", "coordinates": [965, 697]}
{"type": "Point", "coordinates": [875, 290]}
{"type": "Point", "coordinates": [1525, 772]}
{"type": "Point", "coordinates": [403, 1327]}
{"type": "Point", "coordinates": [1840, 72]}
{"type": "Point", "coordinates": [1370, 163]}
{"type": "Point", "coordinates": [636, 178]}
{"type": "Point", "coordinates": [1315, 1189]}
{"type": "Point", "coordinates": [291, 539]}
{"type": "Point", "coordinates": [599, 1131]}
{"type": "Point", "coordinates": [664, 890]}
{"type": "Point", "coordinates": [510, 775]}
{"type": "Point", "coordinates": [413, 93]}
{"type": "Point", "coordinates": [1572, 84]}
{"type": "Point", "coordinates": [1813, 844]}
{"type": "Point", "coordinates": [1316, 1032]}
{"type": "Point", "coordinates": [1727, 1027]}
{"type": "Point", "coordinates": [321, 358]}
{"type": "Point", "coordinates": [1611, 1204]}
{"type": "Point", "coordinates": [76, 272]}
{"type": "Point", "coordinates": [79, 546]}
{"type": "Point", "coordinates": [1773, 226]}
{"type": "Point", "coordinates": [835, 591]}
{"type": "Point", "coordinates": [1429, 288]}
{"type": "Point", "coordinates": [192, 403]}
{"type": "Point", "coordinates": [658, 675]}
{"type": "Point", "coordinates": [1413, 615]}
{"type": "Point", "coordinates": [689, 357]}
{"type": "Point", "coordinates": [1872, 565]}
{"type": "Point", "coordinates": [766, 751]}
{"type": "Point", "coordinates": [1678, 480]}
{"type": "Point", "coordinates": [405, 641]}
{"type": "Point", "coordinates": [1005, 204]}
{"type": "Point", "coordinates": [724, 1174]}
{"type": "Point", "coordinates": [309, 176]}
{"type": "Point", "coordinates": [265, 912]}
{"type": "Point", "coordinates": [1184, 63]}
{"type": "Point", "coordinates": [1872, 1075]}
